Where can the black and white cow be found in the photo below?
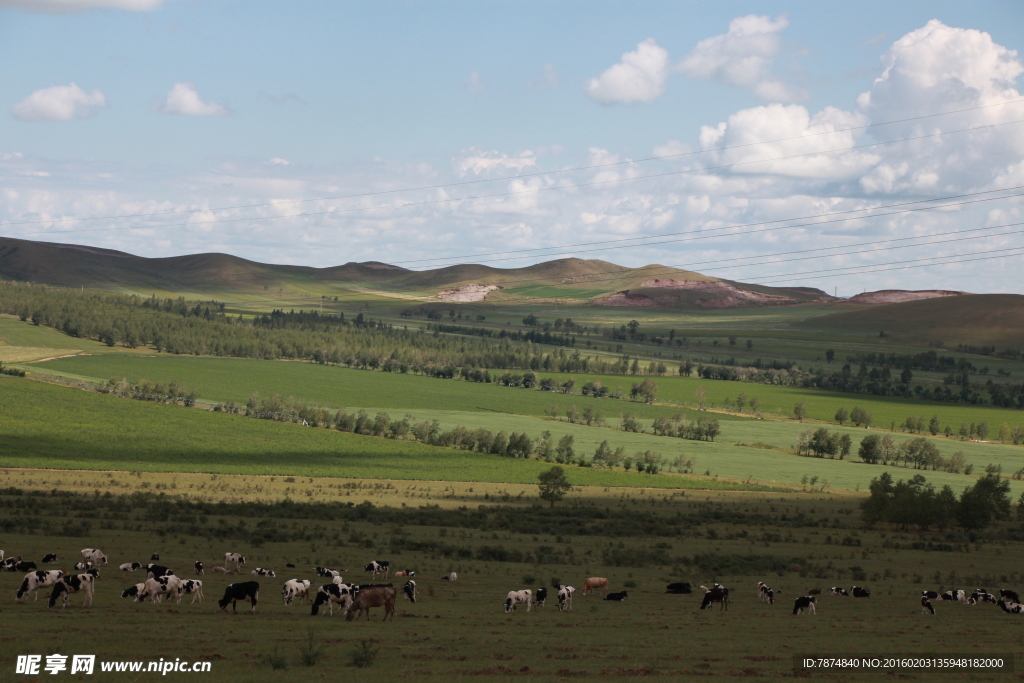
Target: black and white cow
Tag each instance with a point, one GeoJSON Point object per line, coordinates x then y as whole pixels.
{"type": "Point", "coordinates": [806, 602]}
{"type": "Point", "coordinates": [235, 559]}
{"type": "Point", "coordinates": [836, 590]}
{"type": "Point", "coordinates": [1011, 607]}
{"type": "Point", "coordinates": [378, 567]}
{"type": "Point", "coordinates": [619, 597]}
{"type": "Point", "coordinates": [38, 579]}
{"type": "Point", "coordinates": [76, 583]}
{"type": "Point", "coordinates": [93, 555]}
{"type": "Point", "coordinates": [133, 591]}
{"type": "Point", "coordinates": [249, 590]}
{"type": "Point", "coordinates": [327, 573]}
{"type": "Point", "coordinates": [565, 594]}
{"type": "Point", "coordinates": [859, 592]}
{"type": "Point", "coordinates": [47, 559]}
{"type": "Point", "coordinates": [295, 589]}
{"type": "Point", "coordinates": [199, 568]}
{"type": "Point", "coordinates": [766, 594]}
{"type": "Point", "coordinates": [985, 597]}
{"type": "Point", "coordinates": [24, 566]}
{"type": "Point", "coordinates": [930, 595]}
{"type": "Point", "coordinates": [332, 594]}
{"type": "Point", "coordinates": [405, 572]}
{"type": "Point", "coordinates": [451, 577]}
{"type": "Point", "coordinates": [953, 596]}
{"type": "Point", "coordinates": [82, 566]}
{"type": "Point", "coordinates": [130, 566]}
{"type": "Point", "coordinates": [541, 596]}
{"type": "Point", "coordinates": [926, 604]}
{"type": "Point", "coordinates": [168, 586]}
{"type": "Point", "coordinates": [155, 571]}
{"type": "Point", "coordinates": [8, 564]}
{"type": "Point", "coordinates": [523, 597]}
{"type": "Point", "coordinates": [1008, 595]}
{"type": "Point", "coordinates": [679, 588]}
{"type": "Point", "coordinates": [409, 590]}
{"type": "Point", "coordinates": [717, 593]}
{"type": "Point", "coordinates": [193, 587]}
{"type": "Point", "coordinates": [260, 571]}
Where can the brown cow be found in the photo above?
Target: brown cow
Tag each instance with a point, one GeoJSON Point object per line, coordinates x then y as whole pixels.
{"type": "Point", "coordinates": [595, 583]}
{"type": "Point", "coordinates": [382, 596]}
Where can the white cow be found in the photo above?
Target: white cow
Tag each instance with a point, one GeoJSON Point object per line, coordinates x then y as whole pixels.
{"type": "Point", "coordinates": [565, 598]}
{"type": "Point", "coordinates": [193, 587]}
{"type": "Point", "coordinates": [130, 566]}
{"type": "Point", "coordinates": [523, 597]}
{"type": "Point", "coordinates": [164, 585]}
{"type": "Point", "coordinates": [39, 579]}
{"type": "Point", "coordinates": [295, 589]}
{"type": "Point", "coordinates": [260, 571]}
{"type": "Point", "coordinates": [235, 559]}
{"type": "Point", "coordinates": [93, 555]}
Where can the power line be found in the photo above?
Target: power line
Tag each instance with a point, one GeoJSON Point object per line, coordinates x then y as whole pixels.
{"type": "Point", "coordinates": [511, 193]}
{"type": "Point", "coordinates": [525, 175]}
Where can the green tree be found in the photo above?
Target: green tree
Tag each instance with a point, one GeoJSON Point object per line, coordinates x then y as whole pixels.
{"type": "Point", "coordinates": [842, 416]}
{"type": "Point", "coordinates": [755, 403]}
{"type": "Point", "coordinates": [554, 485]}
{"type": "Point", "coordinates": [564, 452]}
{"type": "Point", "coordinates": [830, 355]}
{"type": "Point", "coordinates": [868, 451]}
{"type": "Point", "coordinates": [987, 500]}
{"type": "Point", "coordinates": [933, 425]}
{"type": "Point", "coordinates": [800, 410]}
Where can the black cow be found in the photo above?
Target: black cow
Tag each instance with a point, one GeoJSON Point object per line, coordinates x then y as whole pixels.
{"type": "Point", "coordinates": [156, 571]}
{"type": "Point", "coordinates": [199, 567]}
{"type": "Point", "coordinates": [929, 595]}
{"type": "Point", "coordinates": [859, 592]}
{"type": "Point", "coordinates": [154, 557]}
{"type": "Point", "coordinates": [51, 557]}
{"type": "Point", "coordinates": [616, 596]}
{"type": "Point", "coordinates": [680, 588]}
{"type": "Point", "coordinates": [25, 566]}
{"type": "Point", "coordinates": [248, 590]}
{"type": "Point", "coordinates": [926, 604]}
{"type": "Point", "coordinates": [806, 602]}
{"type": "Point", "coordinates": [1009, 595]}
{"type": "Point", "coordinates": [539, 596]}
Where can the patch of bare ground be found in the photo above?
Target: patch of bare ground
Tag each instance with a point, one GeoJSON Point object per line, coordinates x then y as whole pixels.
{"type": "Point", "coordinates": [896, 296]}
{"type": "Point", "coordinates": [475, 292]}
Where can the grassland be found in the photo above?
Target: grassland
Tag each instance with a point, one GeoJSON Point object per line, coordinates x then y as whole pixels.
{"type": "Point", "coordinates": [62, 428]}
{"type": "Point", "coordinates": [457, 630]}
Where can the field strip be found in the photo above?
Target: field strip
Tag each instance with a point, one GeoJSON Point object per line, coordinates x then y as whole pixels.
{"type": "Point", "coordinates": [34, 354]}
{"type": "Point", "coordinates": [394, 492]}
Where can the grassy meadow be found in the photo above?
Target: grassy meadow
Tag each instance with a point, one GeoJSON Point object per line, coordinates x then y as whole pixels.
{"type": "Point", "coordinates": [792, 541]}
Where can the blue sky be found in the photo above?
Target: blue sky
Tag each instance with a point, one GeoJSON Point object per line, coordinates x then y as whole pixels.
{"type": "Point", "coordinates": [115, 107]}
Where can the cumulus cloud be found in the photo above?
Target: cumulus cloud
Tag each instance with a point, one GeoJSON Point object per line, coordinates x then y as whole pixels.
{"type": "Point", "coordinates": [941, 68]}
{"type": "Point", "coordinates": [478, 161]}
{"type": "Point", "coordinates": [638, 77]}
{"type": "Point", "coordinates": [59, 103]}
{"type": "Point", "coordinates": [184, 100]}
{"type": "Point", "coordinates": [278, 161]}
{"type": "Point", "coordinates": [743, 57]}
{"type": "Point", "coordinates": [63, 6]}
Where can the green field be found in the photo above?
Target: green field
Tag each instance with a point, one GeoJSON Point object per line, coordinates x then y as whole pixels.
{"type": "Point", "coordinates": [494, 407]}
{"type": "Point", "coordinates": [63, 428]}
{"type": "Point", "coordinates": [794, 542]}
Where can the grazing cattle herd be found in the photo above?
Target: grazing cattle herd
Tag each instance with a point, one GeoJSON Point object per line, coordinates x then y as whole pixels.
{"type": "Point", "coordinates": [356, 600]}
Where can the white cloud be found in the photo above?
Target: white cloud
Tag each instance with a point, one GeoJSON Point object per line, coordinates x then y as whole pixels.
{"type": "Point", "coordinates": [63, 6]}
{"type": "Point", "coordinates": [475, 82]}
{"type": "Point", "coordinates": [59, 103]}
{"type": "Point", "coordinates": [743, 57]}
{"type": "Point", "coordinates": [477, 161]}
{"type": "Point", "coordinates": [183, 99]}
{"type": "Point", "coordinates": [9, 156]}
{"type": "Point", "coordinates": [638, 77]}
{"type": "Point", "coordinates": [548, 78]}
{"type": "Point", "coordinates": [941, 68]}
{"type": "Point", "coordinates": [278, 161]}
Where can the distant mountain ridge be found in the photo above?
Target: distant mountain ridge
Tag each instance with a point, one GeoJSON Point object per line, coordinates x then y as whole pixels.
{"type": "Point", "coordinates": [212, 274]}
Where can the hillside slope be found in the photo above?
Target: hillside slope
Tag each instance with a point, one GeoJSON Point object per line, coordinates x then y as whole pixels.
{"type": "Point", "coordinates": [978, 319]}
{"type": "Point", "coordinates": [581, 280]}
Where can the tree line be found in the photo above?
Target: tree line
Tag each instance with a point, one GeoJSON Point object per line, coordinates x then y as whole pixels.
{"type": "Point", "coordinates": [917, 503]}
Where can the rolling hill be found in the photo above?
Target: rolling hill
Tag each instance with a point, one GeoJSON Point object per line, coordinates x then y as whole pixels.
{"type": "Point", "coordinates": [210, 275]}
